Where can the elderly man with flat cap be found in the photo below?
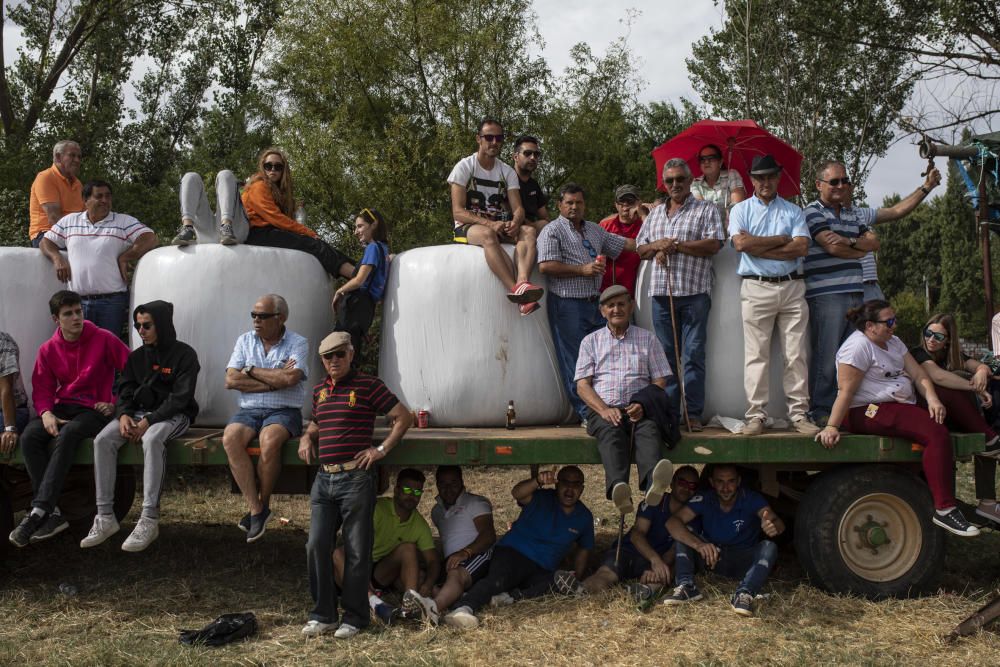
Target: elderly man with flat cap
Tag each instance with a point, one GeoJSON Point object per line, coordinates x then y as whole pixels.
{"type": "Point", "coordinates": [616, 363]}
{"type": "Point", "coordinates": [339, 437]}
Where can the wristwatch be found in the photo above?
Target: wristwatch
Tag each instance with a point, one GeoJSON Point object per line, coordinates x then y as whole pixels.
{"type": "Point", "coordinates": [381, 449]}
{"type": "Point", "coordinates": [10, 429]}
{"type": "Point", "coordinates": [247, 370]}
{"type": "Point", "coordinates": [853, 241]}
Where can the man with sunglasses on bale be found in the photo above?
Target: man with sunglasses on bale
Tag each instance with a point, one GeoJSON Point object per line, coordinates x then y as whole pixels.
{"type": "Point", "coordinates": [269, 367]}
{"type": "Point", "coordinates": [155, 404]}
{"type": "Point", "coordinates": [840, 270]}
{"type": "Point", "coordinates": [534, 199]}
{"type": "Point", "coordinates": [339, 437]}
{"type": "Point", "coordinates": [486, 207]}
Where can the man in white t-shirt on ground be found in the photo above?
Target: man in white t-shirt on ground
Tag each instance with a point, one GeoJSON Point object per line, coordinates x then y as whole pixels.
{"type": "Point", "coordinates": [486, 206]}
{"type": "Point", "coordinates": [465, 523]}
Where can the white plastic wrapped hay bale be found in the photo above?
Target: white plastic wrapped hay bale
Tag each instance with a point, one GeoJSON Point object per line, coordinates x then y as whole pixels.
{"type": "Point", "coordinates": [454, 345]}
{"type": "Point", "coordinates": [27, 281]}
{"type": "Point", "coordinates": [213, 289]}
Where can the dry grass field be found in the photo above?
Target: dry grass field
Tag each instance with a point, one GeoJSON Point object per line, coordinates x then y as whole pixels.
{"type": "Point", "coordinates": [129, 607]}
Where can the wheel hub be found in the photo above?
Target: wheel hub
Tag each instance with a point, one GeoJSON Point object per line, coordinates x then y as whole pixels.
{"type": "Point", "coordinates": [880, 537]}
{"type": "Point", "coordinates": [872, 534]}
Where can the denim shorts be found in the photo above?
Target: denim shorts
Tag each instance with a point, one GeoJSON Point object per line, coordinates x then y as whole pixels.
{"type": "Point", "coordinates": [258, 418]}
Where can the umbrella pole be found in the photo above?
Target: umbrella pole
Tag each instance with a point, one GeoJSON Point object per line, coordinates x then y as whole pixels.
{"type": "Point", "coordinates": [677, 349]}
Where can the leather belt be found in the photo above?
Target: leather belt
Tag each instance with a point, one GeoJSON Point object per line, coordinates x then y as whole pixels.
{"type": "Point", "coordinates": [774, 279]}
{"type": "Point", "coordinates": [339, 467]}
{"type": "Point", "coordinates": [85, 297]}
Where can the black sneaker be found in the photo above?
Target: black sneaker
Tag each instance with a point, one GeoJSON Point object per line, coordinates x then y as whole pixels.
{"type": "Point", "coordinates": [742, 603]}
{"type": "Point", "coordinates": [185, 237]}
{"type": "Point", "coordinates": [683, 593]}
{"type": "Point", "coordinates": [244, 523]}
{"type": "Point", "coordinates": [565, 582]}
{"type": "Point", "coordinates": [21, 536]}
{"type": "Point", "coordinates": [955, 522]}
{"type": "Point", "coordinates": [258, 524]}
{"type": "Point", "coordinates": [52, 526]}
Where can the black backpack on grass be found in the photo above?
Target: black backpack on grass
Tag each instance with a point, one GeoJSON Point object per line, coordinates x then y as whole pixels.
{"type": "Point", "coordinates": [223, 630]}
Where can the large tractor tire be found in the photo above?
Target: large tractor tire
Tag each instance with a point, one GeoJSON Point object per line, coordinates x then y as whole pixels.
{"type": "Point", "coordinates": [866, 530]}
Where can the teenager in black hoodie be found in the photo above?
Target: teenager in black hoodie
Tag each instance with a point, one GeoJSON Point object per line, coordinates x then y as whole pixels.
{"type": "Point", "coordinates": [155, 404]}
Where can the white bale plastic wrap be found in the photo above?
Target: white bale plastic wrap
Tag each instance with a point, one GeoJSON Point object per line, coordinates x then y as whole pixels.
{"type": "Point", "coordinates": [454, 345]}
{"type": "Point", "coordinates": [27, 282]}
{"type": "Point", "coordinates": [724, 393]}
{"type": "Point", "coordinates": [213, 289]}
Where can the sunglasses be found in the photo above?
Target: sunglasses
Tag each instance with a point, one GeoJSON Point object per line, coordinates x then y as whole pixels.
{"type": "Point", "coordinates": [340, 354]}
{"type": "Point", "coordinates": [684, 484]}
{"type": "Point", "coordinates": [537, 154]}
{"type": "Point", "coordinates": [143, 326]}
{"type": "Point", "coordinates": [709, 158]}
{"type": "Point", "coordinates": [493, 138]}
{"type": "Point", "coordinates": [416, 493]}
{"type": "Point", "coordinates": [939, 337]}
{"type": "Point", "coordinates": [590, 248]}
{"type": "Point", "coordinates": [676, 179]}
{"type": "Point", "coordinates": [274, 166]}
{"type": "Point", "coordinates": [891, 322]}
{"type": "Point", "coordinates": [262, 316]}
{"type": "Point", "coordinates": [834, 182]}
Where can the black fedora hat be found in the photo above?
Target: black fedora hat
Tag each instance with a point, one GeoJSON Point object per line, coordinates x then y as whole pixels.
{"type": "Point", "coordinates": [764, 165]}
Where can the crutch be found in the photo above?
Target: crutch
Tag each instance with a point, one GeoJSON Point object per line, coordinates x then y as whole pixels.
{"type": "Point", "coordinates": [677, 348]}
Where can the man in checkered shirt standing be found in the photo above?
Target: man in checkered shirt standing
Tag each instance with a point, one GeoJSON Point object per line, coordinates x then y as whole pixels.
{"type": "Point", "coordinates": [682, 234]}
{"type": "Point", "coordinates": [572, 253]}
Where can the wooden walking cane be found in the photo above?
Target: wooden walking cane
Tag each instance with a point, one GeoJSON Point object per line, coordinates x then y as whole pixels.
{"type": "Point", "coordinates": [677, 349]}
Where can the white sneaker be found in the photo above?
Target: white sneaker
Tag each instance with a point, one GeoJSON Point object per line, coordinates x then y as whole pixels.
{"type": "Point", "coordinates": [316, 628]}
{"type": "Point", "coordinates": [416, 604]}
{"type": "Point", "coordinates": [103, 528]}
{"type": "Point", "coordinates": [501, 600]}
{"type": "Point", "coordinates": [462, 618]}
{"type": "Point", "coordinates": [754, 426]}
{"type": "Point", "coordinates": [659, 481]}
{"type": "Point", "coordinates": [621, 496]}
{"type": "Point", "coordinates": [145, 531]}
{"type": "Point", "coordinates": [346, 631]}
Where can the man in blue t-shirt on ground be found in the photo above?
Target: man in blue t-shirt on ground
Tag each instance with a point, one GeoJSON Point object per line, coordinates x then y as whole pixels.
{"type": "Point", "coordinates": [551, 522]}
{"type": "Point", "coordinates": [732, 519]}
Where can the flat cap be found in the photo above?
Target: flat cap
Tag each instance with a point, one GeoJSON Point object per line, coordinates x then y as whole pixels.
{"type": "Point", "coordinates": [612, 292]}
{"type": "Point", "coordinates": [335, 341]}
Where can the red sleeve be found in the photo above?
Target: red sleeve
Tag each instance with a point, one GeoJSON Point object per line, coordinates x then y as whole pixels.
{"type": "Point", "coordinates": [43, 383]}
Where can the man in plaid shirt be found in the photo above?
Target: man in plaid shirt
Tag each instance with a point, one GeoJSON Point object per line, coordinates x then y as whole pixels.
{"type": "Point", "coordinates": [682, 234]}
{"type": "Point", "coordinates": [572, 254]}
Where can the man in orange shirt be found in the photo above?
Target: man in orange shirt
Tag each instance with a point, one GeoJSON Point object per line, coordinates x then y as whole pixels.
{"type": "Point", "coordinates": [627, 222]}
{"type": "Point", "coordinates": [56, 191]}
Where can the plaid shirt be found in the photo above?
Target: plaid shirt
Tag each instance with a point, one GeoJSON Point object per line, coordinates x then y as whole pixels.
{"type": "Point", "coordinates": [249, 351]}
{"type": "Point", "coordinates": [559, 241]}
{"type": "Point", "coordinates": [621, 366]}
{"type": "Point", "coordinates": [9, 367]}
{"type": "Point", "coordinates": [695, 221]}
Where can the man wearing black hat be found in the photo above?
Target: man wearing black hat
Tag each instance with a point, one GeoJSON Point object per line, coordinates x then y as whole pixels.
{"type": "Point", "coordinates": [339, 437]}
{"type": "Point", "coordinates": [615, 363]}
{"type": "Point", "coordinates": [772, 235]}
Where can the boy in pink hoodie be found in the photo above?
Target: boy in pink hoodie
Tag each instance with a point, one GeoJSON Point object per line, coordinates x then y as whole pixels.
{"type": "Point", "coordinates": [72, 392]}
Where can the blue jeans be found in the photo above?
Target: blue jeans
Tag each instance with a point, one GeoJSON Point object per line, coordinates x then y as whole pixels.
{"type": "Point", "coordinates": [751, 565]}
{"type": "Point", "coordinates": [108, 312]}
{"type": "Point", "coordinates": [828, 328]}
{"type": "Point", "coordinates": [571, 320]}
{"type": "Point", "coordinates": [343, 500]}
{"type": "Point", "coordinates": [873, 291]}
{"type": "Point", "coordinates": [692, 316]}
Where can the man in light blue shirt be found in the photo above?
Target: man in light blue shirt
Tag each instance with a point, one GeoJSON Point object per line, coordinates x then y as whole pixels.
{"type": "Point", "coordinates": [269, 367]}
{"type": "Point", "coordinates": [771, 233]}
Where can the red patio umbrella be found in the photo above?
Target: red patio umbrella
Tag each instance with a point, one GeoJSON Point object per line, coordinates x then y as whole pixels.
{"type": "Point", "coordinates": [740, 141]}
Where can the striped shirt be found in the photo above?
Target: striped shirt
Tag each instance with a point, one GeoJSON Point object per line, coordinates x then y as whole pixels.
{"type": "Point", "coordinates": [93, 249]}
{"type": "Point", "coordinates": [825, 273]}
{"type": "Point", "coordinates": [559, 241]}
{"type": "Point", "coordinates": [696, 220]}
{"type": "Point", "coordinates": [345, 413]}
{"type": "Point", "coordinates": [869, 270]}
{"type": "Point", "coordinates": [621, 366]}
{"type": "Point", "coordinates": [249, 351]}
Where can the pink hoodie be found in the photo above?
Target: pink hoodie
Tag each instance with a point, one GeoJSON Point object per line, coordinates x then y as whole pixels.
{"type": "Point", "coordinates": [81, 372]}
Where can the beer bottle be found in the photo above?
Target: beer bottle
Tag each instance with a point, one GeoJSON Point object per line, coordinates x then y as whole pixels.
{"type": "Point", "coordinates": [511, 416]}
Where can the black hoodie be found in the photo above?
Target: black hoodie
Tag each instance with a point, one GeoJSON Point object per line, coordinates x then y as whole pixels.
{"type": "Point", "coordinates": [159, 379]}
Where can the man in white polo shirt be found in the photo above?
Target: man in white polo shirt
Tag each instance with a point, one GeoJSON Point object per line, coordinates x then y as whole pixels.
{"type": "Point", "coordinates": [99, 244]}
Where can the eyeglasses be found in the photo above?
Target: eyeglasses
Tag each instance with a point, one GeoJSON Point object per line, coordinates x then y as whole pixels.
{"type": "Point", "coordinates": [683, 483]}
{"type": "Point", "coordinates": [262, 316]}
{"type": "Point", "coordinates": [537, 154]}
{"type": "Point", "coordinates": [834, 182]}
{"type": "Point", "coordinates": [676, 179]}
{"type": "Point", "coordinates": [493, 138]}
{"type": "Point", "coordinates": [340, 354]}
{"type": "Point", "coordinates": [274, 166]}
{"type": "Point", "coordinates": [416, 493]}
{"type": "Point", "coordinates": [709, 158]}
{"type": "Point", "coordinates": [939, 337]}
{"type": "Point", "coordinates": [590, 248]}
{"type": "Point", "coordinates": [891, 322]}
{"type": "Point", "coordinates": [140, 326]}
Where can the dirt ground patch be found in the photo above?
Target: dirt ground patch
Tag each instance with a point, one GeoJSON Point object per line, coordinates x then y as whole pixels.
{"type": "Point", "coordinates": [129, 607]}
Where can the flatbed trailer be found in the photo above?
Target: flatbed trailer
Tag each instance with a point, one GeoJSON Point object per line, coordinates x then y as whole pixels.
{"type": "Point", "coordinates": [860, 513]}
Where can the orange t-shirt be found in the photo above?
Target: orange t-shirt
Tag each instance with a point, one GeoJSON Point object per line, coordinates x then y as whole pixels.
{"type": "Point", "coordinates": [51, 187]}
{"type": "Point", "coordinates": [262, 210]}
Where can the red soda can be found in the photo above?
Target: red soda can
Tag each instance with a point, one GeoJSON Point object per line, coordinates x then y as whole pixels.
{"type": "Point", "coordinates": [423, 418]}
{"type": "Point", "coordinates": [601, 259]}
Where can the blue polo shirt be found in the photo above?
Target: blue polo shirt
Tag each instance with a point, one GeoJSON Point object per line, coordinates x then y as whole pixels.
{"type": "Point", "coordinates": [739, 527]}
{"type": "Point", "coordinates": [658, 536]}
{"type": "Point", "coordinates": [826, 274]}
{"type": "Point", "coordinates": [544, 532]}
{"type": "Point", "coordinates": [377, 256]}
{"type": "Point", "coordinates": [757, 218]}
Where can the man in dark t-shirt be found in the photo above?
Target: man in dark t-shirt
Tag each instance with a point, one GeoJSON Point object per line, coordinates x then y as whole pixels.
{"type": "Point", "coordinates": [343, 494]}
{"type": "Point", "coordinates": [534, 200]}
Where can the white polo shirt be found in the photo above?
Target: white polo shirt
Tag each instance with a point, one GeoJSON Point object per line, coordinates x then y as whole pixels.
{"type": "Point", "coordinates": [93, 249]}
{"type": "Point", "coordinates": [456, 524]}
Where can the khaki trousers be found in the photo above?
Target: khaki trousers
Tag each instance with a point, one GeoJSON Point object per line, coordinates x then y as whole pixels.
{"type": "Point", "coordinates": [768, 307]}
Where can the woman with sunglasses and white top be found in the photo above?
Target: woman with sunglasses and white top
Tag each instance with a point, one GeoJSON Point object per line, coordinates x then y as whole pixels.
{"type": "Point", "coordinates": [723, 187]}
{"type": "Point", "coordinates": [941, 357]}
{"type": "Point", "coordinates": [261, 215]}
{"type": "Point", "coordinates": [354, 303]}
{"type": "Point", "coordinates": [876, 378]}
